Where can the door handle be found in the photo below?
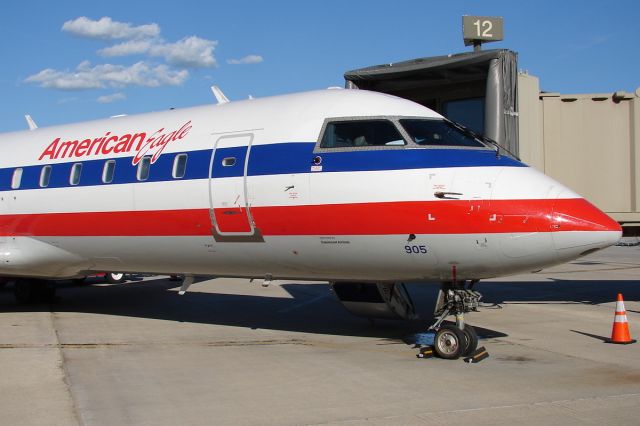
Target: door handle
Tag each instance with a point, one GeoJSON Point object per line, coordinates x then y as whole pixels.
{"type": "Point", "coordinates": [229, 161]}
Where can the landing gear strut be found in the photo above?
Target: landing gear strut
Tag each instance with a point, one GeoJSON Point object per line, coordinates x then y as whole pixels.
{"type": "Point", "coordinates": [453, 341]}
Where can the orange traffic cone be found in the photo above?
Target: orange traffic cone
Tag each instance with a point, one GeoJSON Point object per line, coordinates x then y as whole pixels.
{"type": "Point", "coordinates": [620, 333]}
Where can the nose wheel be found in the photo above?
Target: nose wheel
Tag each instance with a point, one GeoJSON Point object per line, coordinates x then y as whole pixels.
{"type": "Point", "coordinates": [471, 340]}
{"type": "Point", "coordinates": [449, 342]}
{"type": "Point", "coordinates": [460, 339]}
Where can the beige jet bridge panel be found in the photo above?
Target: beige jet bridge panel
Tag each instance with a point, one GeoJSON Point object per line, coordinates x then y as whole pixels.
{"type": "Point", "coordinates": [589, 142]}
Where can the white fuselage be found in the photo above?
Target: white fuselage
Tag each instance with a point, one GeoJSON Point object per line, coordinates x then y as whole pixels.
{"type": "Point", "coordinates": [260, 196]}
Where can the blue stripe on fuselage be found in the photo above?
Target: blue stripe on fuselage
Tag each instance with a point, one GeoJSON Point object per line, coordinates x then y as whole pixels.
{"type": "Point", "coordinates": [411, 159]}
{"type": "Point", "coordinates": [298, 158]}
{"type": "Point", "coordinates": [272, 159]}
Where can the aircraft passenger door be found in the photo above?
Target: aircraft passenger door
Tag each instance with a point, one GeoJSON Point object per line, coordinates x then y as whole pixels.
{"type": "Point", "coordinates": [230, 212]}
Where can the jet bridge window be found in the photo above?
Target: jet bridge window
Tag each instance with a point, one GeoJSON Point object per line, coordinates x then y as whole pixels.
{"type": "Point", "coordinates": [469, 112]}
{"type": "Point", "coordinates": [143, 168]}
{"type": "Point", "coordinates": [16, 179]}
{"type": "Point", "coordinates": [76, 171]}
{"type": "Point", "coordinates": [361, 133]}
{"type": "Point", "coordinates": [439, 133]}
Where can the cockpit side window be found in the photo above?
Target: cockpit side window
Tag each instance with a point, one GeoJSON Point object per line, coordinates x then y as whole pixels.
{"type": "Point", "coordinates": [361, 133]}
{"type": "Point", "coordinates": [439, 133]}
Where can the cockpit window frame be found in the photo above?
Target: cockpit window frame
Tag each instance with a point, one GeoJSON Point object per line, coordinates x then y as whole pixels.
{"type": "Point", "coordinates": [395, 120]}
{"type": "Point", "coordinates": [467, 132]}
{"type": "Point", "coordinates": [328, 121]}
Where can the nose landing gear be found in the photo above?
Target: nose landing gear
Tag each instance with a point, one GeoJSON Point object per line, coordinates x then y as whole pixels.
{"type": "Point", "coordinates": [453, 341]}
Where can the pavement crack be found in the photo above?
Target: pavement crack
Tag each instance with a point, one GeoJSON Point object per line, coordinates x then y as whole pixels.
{"type": "Point", "coordinates": [63, 367]}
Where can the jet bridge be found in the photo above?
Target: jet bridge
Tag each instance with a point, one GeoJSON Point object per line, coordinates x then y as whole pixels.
{"type": "Point", "coordinates": [477, 89]}
{"type": "Point", "coordinates": [589, 142]}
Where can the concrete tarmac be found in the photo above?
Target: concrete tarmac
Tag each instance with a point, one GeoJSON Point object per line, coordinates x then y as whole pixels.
{"type": "Point", "coordinates": [233, 352]}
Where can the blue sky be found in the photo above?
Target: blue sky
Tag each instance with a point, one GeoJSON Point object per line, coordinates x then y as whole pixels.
{"type": "Point", "coordinates": [64, 63]}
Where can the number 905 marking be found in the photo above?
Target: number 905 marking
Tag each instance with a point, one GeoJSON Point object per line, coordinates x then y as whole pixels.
{"type": "Point", "coordinates": [411, 249]}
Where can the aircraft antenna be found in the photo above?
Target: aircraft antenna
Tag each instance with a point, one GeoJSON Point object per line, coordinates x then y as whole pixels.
{"type": "Point", "coordinates": [220, 97]}
{"type": "Point", "coordinates": [30, 122]}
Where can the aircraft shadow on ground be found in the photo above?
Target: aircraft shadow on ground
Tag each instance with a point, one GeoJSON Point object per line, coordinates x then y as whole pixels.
{"type": "Point", "coordinates": [310, 309]}
{"type": "Point", "coordinates": [590, 292]}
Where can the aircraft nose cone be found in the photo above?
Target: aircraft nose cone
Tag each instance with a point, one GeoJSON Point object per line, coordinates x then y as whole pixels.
{"type": "Point", "coordinates": [579, 228]}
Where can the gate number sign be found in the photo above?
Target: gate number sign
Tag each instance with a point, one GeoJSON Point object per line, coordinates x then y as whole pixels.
{"type": "Point", "coordinates": [481, 29]}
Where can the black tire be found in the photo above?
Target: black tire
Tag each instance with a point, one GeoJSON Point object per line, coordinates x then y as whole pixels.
{"type": "Point", "coordinates": [115, 277]}
{"type": "Point", "coordinates": [471, 340]}
{"type": "Point", "coordinates": [449, 342]}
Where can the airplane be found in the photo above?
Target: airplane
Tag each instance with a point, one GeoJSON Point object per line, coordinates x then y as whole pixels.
{"type": "Point", "coordinates": [361, 189]}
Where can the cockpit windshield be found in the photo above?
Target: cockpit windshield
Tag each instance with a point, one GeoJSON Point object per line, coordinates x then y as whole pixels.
{"type": "Point", "coordinates": [439, 133]}
{"type": "Point", "coordinates": [361, 133]}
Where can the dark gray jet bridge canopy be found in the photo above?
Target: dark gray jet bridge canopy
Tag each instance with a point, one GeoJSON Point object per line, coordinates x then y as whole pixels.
{"type": "Point", "coordinates": [476, 89]}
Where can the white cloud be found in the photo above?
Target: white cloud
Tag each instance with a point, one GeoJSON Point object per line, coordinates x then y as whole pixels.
{"type": "Point", "coordinates": [107, 99]}
{"type": "Point", "coordinates": [132, 47]}
{"type": "Point", "coordinates": [191, 52]}
{"type": "Point", "coordinates": [64, 80]}
{"type": "Point", "coordinates": [250, 59]}
{"type": "Point", "coordinates": [108, 75]}
{"type": "Point", "coordinates": [175, 58]}
{"type": "Point", "coordinates": [108, 29]}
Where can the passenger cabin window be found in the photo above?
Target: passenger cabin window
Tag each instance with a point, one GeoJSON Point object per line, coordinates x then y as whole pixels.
{"type": "Point", "coordinates": [361, 133]}
{"type": "Point", "coordinates": [108, 171]}
{"type": "Point", "coordinates": [143, 168]}
{"type": "Point", "coordinates": [16, 178]}
{"type": "Point", "coordinates": [439, 133]}
{"type": "Point", "coordinates": [179, 166]}
{"type": "Point", "coordinates": [45, 176]}
{"type": "Point", "coordinates": [76, 171]}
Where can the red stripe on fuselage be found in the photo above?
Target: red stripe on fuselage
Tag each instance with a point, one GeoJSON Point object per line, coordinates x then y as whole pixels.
{"type": "Point", "coordinates": [419, 217]}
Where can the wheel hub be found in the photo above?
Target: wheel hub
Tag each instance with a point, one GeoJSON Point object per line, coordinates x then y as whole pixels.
{"type": "Point", "coordinates": [448, 343]}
